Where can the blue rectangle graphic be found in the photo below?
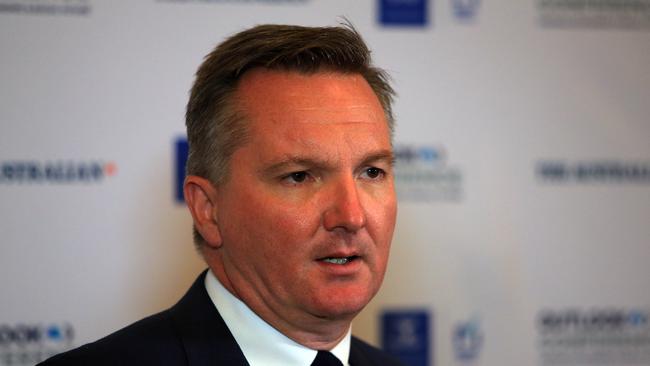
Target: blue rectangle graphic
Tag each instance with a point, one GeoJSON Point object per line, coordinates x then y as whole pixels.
{"type": "Point", "coordinates": [406, 335]}
{"type": "Point", "coordinates": [181, 148]}
{"type": "Point", "coordinates": [403, 12]}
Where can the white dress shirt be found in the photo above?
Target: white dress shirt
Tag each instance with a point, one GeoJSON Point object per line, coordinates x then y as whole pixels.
{"type": "Point", "coordinates": [262, 344]}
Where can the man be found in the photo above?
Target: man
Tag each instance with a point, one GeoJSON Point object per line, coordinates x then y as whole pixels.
{"type": "Point", "coordinates": [291, 191]}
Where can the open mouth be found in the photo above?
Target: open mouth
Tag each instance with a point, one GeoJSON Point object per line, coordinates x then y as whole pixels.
{"type": "Point", "coordinates": [340, 260]}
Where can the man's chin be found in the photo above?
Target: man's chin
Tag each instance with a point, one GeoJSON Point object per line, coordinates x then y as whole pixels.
{"type": "Point", "coordinates": [340, 306]}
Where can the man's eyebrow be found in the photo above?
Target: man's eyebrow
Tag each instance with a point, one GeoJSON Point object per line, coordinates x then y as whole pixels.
{"type": "Point", "coordinates": [383, 155]}
{"type": "Point", "coordinates": [292, 162]}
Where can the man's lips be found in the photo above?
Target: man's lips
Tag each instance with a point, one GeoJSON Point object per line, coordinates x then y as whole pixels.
{"type": "Point", "coordinates": [339, 257]}
{"type": "Point", "coordinates": [339, 260]}
{"type": "Point", "coordinates": [342, 252]}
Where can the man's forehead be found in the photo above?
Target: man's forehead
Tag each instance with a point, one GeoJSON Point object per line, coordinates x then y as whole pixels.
{"type": "Point", "coordinates": [261, 74]}
{"type": "Point", "coordinates": [299, 87]}
{"type": "Point", "coordinates": [281, 97]}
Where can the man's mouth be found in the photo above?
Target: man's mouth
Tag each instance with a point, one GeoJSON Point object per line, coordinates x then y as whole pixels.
{"type": "Point", "coordinates": [340, 260]}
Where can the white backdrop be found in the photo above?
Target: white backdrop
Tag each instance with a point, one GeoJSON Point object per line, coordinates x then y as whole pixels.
{"type": "Point", "coordinates": [524, 176]}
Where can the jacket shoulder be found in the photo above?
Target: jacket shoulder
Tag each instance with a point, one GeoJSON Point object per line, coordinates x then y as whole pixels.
{"type": "Point", "coordinates": [152, 340]}
{"type": "Point", "coordinates": [362, 353]}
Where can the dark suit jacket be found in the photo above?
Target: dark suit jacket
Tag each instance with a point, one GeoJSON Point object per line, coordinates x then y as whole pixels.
{"type": "Point", "coordinates": [190, 333]}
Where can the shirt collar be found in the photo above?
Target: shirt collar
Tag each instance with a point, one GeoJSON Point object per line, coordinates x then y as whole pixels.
{"type": "Point", "coordinates": [262, 344]}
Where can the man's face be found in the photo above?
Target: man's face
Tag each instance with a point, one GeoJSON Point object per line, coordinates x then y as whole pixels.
{"type": "Point", "coordinates": [308, 211]}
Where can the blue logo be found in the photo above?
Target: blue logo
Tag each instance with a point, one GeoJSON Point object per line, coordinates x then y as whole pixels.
{"type": "Point", "coordinates": [181, 149]}
{"type": "Point", "coordinates": [422, 174]}
{"type": "Point", "coordinates": [638, 318]}
{"type": "Point", "coordinates": [467, 340]}
{"type": "Point", "coordinates": [403, 12]}
{"type": "Point", "coordinates": [465, 9]}
{"type": "Point", "coordinates": [419, 154]}
{"type": "Point", "coordinates": [35, 334]}
{"type": "Point", "coordinates": [29, 344]}
{"type": "Point", "coordinates": [406, 335]}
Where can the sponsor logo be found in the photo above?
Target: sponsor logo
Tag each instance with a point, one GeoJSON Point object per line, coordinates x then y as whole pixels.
{"type": "Point", "coordinates": [403, 12]}
{"type": "Point", "coordinates": [27, 344]}
{"type": "Point", "coordinates": [595, 336]}
{"type": "Point", "coordinates": [46, 7]}
{"type": "Point", "coordinates": [181, 149]}
{"type": "Point", "coordinates": [233, 1]}
{"type": "Point", "coordinates": [623, 14]}
{"type": "Point", "coordinates": [593, 172]}
{"type": "Point", "coordinates": [465, 9]}
{"type": "Point", "coordinates": [422, 174]}
{"type": "Point", "coordinates": [55, 172]}
{"type": "Point", "coordinates": [575, 320]}
{"type": "Point", "coordinates": [406, 335]}
{"type": "Point", "coordinates": [467, 340]}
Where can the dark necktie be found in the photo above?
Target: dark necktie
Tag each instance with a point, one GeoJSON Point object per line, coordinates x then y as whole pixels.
{"type": "Point", "coordinates": [325, 358]}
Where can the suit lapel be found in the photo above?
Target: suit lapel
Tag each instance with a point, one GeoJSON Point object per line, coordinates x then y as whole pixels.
{"type": "Point", "coordinates": [357, 356]}
{"type": "Point", "coordinates": [205, 336]}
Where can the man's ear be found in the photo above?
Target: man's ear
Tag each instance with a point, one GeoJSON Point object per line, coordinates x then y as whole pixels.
{"type": "Point", "coordinates": [201, 197]}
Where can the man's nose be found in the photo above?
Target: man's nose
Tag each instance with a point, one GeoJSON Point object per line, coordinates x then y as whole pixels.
{"type": "Point", "coordinates": [344, 208]}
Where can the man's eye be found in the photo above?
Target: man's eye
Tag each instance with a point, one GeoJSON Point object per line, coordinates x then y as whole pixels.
{"type": "Point", "coordinates": [374, 173]}
{"type": "Point", "coordinates": [296, 177]}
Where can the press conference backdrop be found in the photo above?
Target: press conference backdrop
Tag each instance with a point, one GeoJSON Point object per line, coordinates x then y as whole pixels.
{"type": "Point", "coordinates": [523, 172]}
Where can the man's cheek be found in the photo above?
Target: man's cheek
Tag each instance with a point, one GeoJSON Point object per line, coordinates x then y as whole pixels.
{"type": "Point", "coordinates": [291, 217]}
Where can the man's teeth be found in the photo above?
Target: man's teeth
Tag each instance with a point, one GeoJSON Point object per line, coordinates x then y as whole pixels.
{"type": "Point", "coordinates": [338, 260]}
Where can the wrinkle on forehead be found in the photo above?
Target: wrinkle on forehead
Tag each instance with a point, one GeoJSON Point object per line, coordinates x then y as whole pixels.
{"type": "Point", "coordinates": [348, 146]}
{"type": "Point", "coordinates": [339, 96]}
{"type": "Point", "coordinates": [335, 119]}
{"type": "Point", "coordinates": [325, 108]}
{"type": "Point", "coordinates": [328, 115]}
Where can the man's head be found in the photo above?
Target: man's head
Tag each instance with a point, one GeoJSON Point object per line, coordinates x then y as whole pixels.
{"type": "Point", "coordinates": [216, 127]}
{"type": "Point", "coordinates": [290, 173]}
